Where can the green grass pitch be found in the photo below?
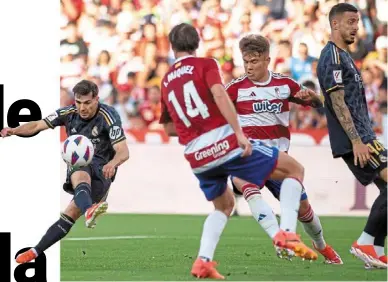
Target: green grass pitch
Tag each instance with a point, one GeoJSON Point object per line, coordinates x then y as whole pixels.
{"type": "Point", "coordinates": [166, 246]}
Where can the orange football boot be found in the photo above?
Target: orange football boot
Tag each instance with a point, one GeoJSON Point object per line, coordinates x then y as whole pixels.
{"type": "Point", "coordinates": [291, 241]}
{"type": "Point", "coordinates": [203, 269]}
{"type": "Point", "coordinates": [93, 212]}
{"type": "Point", "coordinates": [367, 254]}
{"type": "Point", "coordinates": [330, 255]}
{"type": "Point", "coordinates": [27, 256]}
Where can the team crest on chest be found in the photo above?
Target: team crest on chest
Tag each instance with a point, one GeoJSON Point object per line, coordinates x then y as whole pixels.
{"type": "Point", "coordinates": [94, 131]}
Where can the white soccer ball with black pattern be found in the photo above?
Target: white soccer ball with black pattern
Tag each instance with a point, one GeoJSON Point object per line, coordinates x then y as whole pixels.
{"type": "Point", "coordinates": [77, 151]}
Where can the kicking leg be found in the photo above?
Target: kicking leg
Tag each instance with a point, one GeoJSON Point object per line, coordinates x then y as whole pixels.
{"type": "Point", "coordinates": [81, 180]}
{"type": "Point", "coordinates": [292, 174]}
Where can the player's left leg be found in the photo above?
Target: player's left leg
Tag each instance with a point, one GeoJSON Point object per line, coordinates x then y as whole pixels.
{"type": "Point", "coordinates": [99, 194]}
{"type": "Point", "coordinates": [214, 185]}
{"type": "Point", "coordinates": [81, 181]}
{"type": "Point", "coordinates": [313, 227]}
{"type": "Point", "coordinates": [381, 233]}
{"type": "Point", "coordinates": [55, 233]}
{"type": "Point", "coordinates": [381, 236]}
{"type": "Point", "coordinates": [364, 247]}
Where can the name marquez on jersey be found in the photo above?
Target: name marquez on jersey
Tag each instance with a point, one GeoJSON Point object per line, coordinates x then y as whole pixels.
{"type": "Point", "coordinates": [267, 106]}
{"type": "Point", "coordinates": [178, 73]}
{"type": "Point", "coordinates": [215, 151]}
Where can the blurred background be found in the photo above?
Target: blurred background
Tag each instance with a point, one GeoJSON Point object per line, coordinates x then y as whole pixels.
{"type": "Point", "coordinates": [122, 45]}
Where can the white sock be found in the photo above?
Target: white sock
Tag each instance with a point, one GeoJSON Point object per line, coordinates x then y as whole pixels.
{"type": "Point", "coordinates": [366, 239]}
{"type": "Point", "coordinates": [312, 226]}
{"type": "Point", "coordinates": [261, 211]}
{"type": "Point", "coordinates": [35, 252]}
{"type": "Point", "coordinates": [290, 193]}
{"type": "Point", "coordinates": [212, 230]}
{"type": "Point", "coordinates": [379, 250]}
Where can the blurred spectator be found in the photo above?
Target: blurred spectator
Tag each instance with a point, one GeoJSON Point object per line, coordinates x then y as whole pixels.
{"type": "Point", "coordinates": [150, 109]}
{"type": "Point", "coordinates": [302, 65]}
{"type": "Point", "coordinates": [123, 46]}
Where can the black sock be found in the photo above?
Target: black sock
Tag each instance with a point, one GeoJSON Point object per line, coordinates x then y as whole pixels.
{"type": "Point", "coordinates": [55, 233]}
{"type": "Point", "coordinates": [82, 196]}
{"type": "Point", "coordinates": [382, 231]}
{"type": "Point", "coordinates": [378, 215]}
{"type": "Point", "coordinates": [381, 236]}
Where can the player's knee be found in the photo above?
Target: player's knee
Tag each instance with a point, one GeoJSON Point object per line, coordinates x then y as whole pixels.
{"type": "Point", "coordinates": [228, 209]}
{"type": "Point", "coordinates": [296, 170]}
{"type": "Point", "coordinates": [238, 183]}
{"type": "Point", "coordinates": [79, 177]}
{"type": "Point", "coordinates": [72, 211]}
{"type": "Point", "coordinates": [225, 203]}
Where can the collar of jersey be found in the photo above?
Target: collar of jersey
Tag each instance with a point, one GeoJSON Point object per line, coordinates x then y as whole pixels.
{"type": "Point", "coordinates": [265, 82]}
{"type": "Point", "coordinates": [182, 58]}
{"type": "Point", "coordinates": [337, 46]}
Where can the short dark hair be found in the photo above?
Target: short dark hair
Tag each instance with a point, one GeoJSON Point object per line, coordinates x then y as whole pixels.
{"type": "Point", "coordinates": [339, 9]}
{"type": "Point", "coordinates": [254, 43]}
{"type": "Point", "coordinates": [84, 87]}
{"type": "Point", "coordinates": [184, 38]}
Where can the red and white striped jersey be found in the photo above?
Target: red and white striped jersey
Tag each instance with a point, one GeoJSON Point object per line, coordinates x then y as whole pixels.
{"type": "Point", "coordinates": [188, 102]}
{"type": "Point", "coordinates": [264, 109]}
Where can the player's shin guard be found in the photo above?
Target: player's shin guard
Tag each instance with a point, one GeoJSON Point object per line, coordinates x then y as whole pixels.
{"type": "Point", "coordinates": [56, 232]}
{"type": "Point", "coordinates": [377, 216]}
{"type": "Point", "coordinates": [82, 197]}
{"type": "Point", "coordinates": [260, 210]}
{"type": "Point", "coordinates": [312, 226]}
{"type": "Point", "coordinates": [290, 192]}
{"type": "Point", "coordinates": [212, 229]}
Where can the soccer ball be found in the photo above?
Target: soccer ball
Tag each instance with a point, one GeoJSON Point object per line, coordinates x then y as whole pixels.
{"type": "Point", "coordinates": [77, 151]}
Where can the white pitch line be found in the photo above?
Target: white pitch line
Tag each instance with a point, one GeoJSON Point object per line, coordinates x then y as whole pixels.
{"type": "Point", "coordinates": [112, 238]}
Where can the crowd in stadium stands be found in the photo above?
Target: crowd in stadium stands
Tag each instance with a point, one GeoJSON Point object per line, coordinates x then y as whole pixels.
{"type": "Point", "coordinates": [122, 45]}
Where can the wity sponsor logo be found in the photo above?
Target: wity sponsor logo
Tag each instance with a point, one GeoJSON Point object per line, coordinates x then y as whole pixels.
{"type": "Point", "coordinates": [215, 151]}
{"type": "Point", "coordinates": [267, 106]}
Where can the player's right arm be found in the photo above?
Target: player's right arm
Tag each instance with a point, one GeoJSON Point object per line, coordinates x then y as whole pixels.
{"type": "Point", "coordinates": [331, 78]}
{"type": "Point", "coordinates": [33, 127]}
{"type": "Point", "coordinates": [28, 129]}
{"type": "Point", "coordinates": [360, 150]}
{"type": "Point", "coordinates": [225, 105]}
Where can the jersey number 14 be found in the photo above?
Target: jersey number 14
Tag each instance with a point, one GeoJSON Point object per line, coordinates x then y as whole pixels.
{"type": "Point", "coordinates": [190, 95]}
